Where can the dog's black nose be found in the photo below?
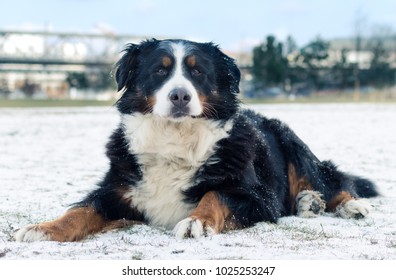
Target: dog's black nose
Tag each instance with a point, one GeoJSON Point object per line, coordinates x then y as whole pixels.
{"type": "Point", "coordinates": [179, 97]}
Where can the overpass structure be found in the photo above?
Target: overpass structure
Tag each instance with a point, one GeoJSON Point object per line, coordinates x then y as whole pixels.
{"type": "Point", "coordinates": [56, 48]}
{"type": "Point", "coordinates": [45, 59]}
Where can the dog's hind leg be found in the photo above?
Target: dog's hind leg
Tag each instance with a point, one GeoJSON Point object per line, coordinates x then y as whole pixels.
{"type": "Point", "coordinates": [340, 193]}
{"type": "Point", "coordinates": [74, 225]}
{"type": "Point", "coordinates": [304, 201]}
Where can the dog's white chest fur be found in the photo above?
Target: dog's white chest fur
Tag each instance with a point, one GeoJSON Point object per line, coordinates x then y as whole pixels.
{"type": "Point", "coordinates": [170, 154]}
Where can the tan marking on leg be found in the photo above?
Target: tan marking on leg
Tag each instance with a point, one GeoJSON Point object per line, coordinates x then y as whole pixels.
{"type": "Point", "coordinates": [340, 198]}
{"type": "Point", "coordinates": [74, 225]}
{"type": "Point", "coordinates": [78, 223]}
{"type": "Point", "coordinates": [297, 184]}
{"type": "Point", "coordinates": [213, 213]}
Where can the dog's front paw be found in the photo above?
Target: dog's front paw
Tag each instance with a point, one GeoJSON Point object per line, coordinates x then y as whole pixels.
{"type": "Point", "coordinates": [192, 227]}
{"type": "Point", "coordinates": [355, 209]}
{"type": "Point", "coordinates": [31, 233]}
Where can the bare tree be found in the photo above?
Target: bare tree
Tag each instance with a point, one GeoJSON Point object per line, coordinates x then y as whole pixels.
{"type": "Point", "coordinates": [359, 22]}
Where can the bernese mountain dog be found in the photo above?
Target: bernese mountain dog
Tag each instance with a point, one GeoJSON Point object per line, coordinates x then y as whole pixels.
{"type": "Point", "coordinates": [187, 157]}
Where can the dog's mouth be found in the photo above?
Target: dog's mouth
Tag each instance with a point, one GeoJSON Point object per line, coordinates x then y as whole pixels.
{"type": "Point", "coordinates": [177, 113]}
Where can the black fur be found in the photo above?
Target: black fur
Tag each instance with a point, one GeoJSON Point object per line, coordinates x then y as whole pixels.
{"type": "Point", "coordinates": [251, 170]}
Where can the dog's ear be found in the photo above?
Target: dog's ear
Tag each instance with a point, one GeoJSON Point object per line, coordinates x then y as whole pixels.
{"type": "Point", "coordinates": [234, 74]}
{"type": "Point", "coordinates": [229, 74]}
{"type": "Point", "coordinates": [126, 66]}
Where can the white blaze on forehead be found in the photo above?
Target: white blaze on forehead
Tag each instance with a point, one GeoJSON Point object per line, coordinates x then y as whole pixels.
{"type": "Point", "coordinates": [163, 106]}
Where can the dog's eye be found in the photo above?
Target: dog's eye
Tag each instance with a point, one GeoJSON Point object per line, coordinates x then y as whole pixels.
{"type": "Point", "coordinates": [196, 72]}
{"type": "Point", "coordinates": [161, 72]}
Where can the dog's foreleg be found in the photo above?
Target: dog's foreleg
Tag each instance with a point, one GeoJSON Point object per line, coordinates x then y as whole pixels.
{"type": "Point", "coordinates": [211, 216]}
{"type": "Point", "coordinates": [74, 225]}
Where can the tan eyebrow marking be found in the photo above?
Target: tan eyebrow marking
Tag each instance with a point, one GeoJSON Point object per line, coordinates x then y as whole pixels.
{"type": "Point", "coordinates": [166, 61]}
{"type": "Point", "coordinates": [191, 61]}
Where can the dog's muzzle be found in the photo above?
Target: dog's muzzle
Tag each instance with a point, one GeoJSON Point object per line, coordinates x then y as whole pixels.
{"type": "Point", "coordinates": [180, 98]}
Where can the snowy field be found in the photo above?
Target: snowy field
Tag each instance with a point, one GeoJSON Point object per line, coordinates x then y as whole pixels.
{"type": "Point", "coordinates": [50, 158]}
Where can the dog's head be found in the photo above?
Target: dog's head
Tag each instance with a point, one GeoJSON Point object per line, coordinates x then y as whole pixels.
{"type": "Point", "coordinates": [175, 79]}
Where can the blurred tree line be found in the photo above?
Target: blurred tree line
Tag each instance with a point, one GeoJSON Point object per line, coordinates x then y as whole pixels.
{"type": "Point", "coordinates": [309, 68]}
{"type": "Point", "coordinates": [96, 80]}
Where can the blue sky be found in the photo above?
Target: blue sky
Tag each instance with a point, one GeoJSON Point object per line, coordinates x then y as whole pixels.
{"type": "Point", "coordinates": [232, 24]}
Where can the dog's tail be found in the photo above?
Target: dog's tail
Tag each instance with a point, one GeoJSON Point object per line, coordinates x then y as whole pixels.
{"type": "Point", "coordinates": [364, 187]}
{"type": "Point", "coordinates": [336, 179]}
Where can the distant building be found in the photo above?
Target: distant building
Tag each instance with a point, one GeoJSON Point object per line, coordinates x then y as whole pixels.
{"type": "Point", "coordinates": [37, 63]}
{"type": "Point", "coordinates": [364, 55]}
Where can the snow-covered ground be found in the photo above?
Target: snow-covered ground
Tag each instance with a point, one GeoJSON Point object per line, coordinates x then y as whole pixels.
{"type": "Point", "coordinates": [50, 158]}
